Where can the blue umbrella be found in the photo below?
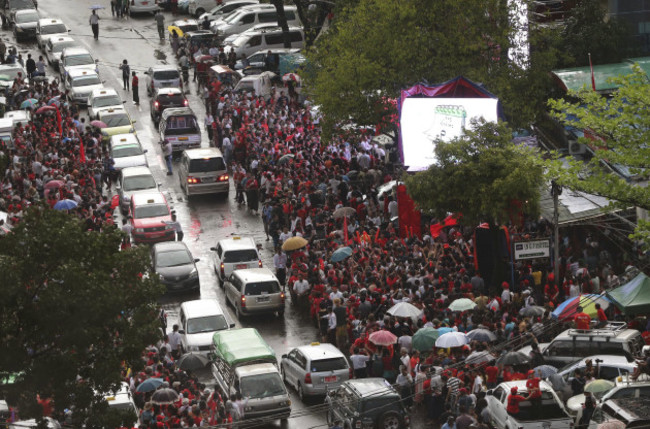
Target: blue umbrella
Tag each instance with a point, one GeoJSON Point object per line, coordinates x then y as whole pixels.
{"type": "Point", "coordinates": [545, 371]}
{"type": "Point", "coordinates": [444, 330]}
{"type": "Point", "coordinates": [31, 102]}
{"type": "Point", "coordinates": [149, 385]}
{"type": "Point", "coordinates": [341, 254]}
{"type": "Point", "coordinates": [56, 100]}
{"type": "Point", "coordinates": [65, 205]}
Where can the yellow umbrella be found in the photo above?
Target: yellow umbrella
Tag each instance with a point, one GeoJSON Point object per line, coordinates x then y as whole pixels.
{"type": "Point", "coordinates": [294, 243]}
{"type": "Point", "coordinates": [178, 30]}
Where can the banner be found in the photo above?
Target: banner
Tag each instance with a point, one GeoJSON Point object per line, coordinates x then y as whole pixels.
{"type": "Point", "coordinates": [409, 216]}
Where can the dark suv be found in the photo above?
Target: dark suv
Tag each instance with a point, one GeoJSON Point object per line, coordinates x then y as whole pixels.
{"type": "Point", "coordinates": [165, 98]}
{"type": "Point", "coordinates": [367, 403]}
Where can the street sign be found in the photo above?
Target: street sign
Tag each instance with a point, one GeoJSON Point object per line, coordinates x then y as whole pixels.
{"type": "Point", "coordinates": [532, 249]}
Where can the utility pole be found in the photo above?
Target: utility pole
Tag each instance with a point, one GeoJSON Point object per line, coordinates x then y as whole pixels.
{"type": "Point", "coordinates": [556, 191]}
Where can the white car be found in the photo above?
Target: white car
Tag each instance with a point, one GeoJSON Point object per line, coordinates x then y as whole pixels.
{"type": "Point", "coordinates": [101, 100]}
{"type": "Point", "coordinates": [552, 414]}
{"type": "Point", "coordinates": [49, 28]}
{"type": "Point", "coordinates": [198, 8]}
{"type": "Point", "coordinates": [126, 151]}
{"type": "Point", "coordinates": [76, 58]}
{"type": "Point", "coordinates": [122, 400]}
{"type": "Point", "coordinates": [80, 83]}
{"type": "Point", "coordinates": [55, 46]}
{"type": "Point", "coordinates": [143, 6]}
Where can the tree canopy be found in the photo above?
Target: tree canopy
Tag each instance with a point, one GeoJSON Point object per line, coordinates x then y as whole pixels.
{"type": "Point", "coordinates": [74, 309]}
{"type": "Point", "coordinates": [483, 175]}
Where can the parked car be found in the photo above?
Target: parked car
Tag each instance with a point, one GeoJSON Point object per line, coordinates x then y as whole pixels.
{"type": "Point", "coordinates": [176, 266]}
{"type": "Point", "coordinates": [143, 6]}
{"type": "Point", "coordinates": [117, 121]}
{"type": "Point", "coordinates": [162, 76]}
{"type": "Point", "coordinates": [249, 42]}
{"type": "Point", "coordinates": [165, 98]}
{"type": "Point", "coordinates": [102, 100]}
{"type": "Point", "coordinates": [254, 291]}
{"type": "Point", "coordinates": [80, 83]}
{"type": "Point", "coordinates": [54, 48]}
{"type": "Point", "coordinates": [235, 253]}
{"type": "Point", "coordinates": [199, 320]}
{"type": "Point", "coordinates": [133, 180]}
{"type": "Point", "coordinates": [631, 412]}
{"type": "Point", "coordinates": [203, 171]}
{"type": "Point", "coordinates": [366, 403]}
{"type": "Point", "coordinates": [75, 58]}
{"type": "Point", "coordinates": [220, 10]}
{"type": "Point", "coordinates": [49, 28]}
{"type": "Point", "coordinates": [315, 369]}
{"type": "Point", "coordinates": [148, 213]}
{"type": "Point", "coordinates": [126, 151]}
{"type": "Point", "coordinates": [25, 22]}
{"type": "Point", "coordinates": [12, 6]}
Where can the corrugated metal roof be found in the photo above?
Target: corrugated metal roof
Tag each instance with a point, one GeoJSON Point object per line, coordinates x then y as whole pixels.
{"type": "Point", "coordinates": [573, 207]}
{"type": "Point", "coordinates": [576, 78]}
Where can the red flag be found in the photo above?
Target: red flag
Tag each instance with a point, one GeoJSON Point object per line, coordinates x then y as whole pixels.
{"type": "Point", "coordinates": [82, 152]}
{"type": "Point", "coordinates": [409, 216]}
{"type": "Point", "coordinates": [345, 230]}
{"type": "Point", "coordinates": [593, 80]}
{"type": "Point", "coordinates": [58, 121]}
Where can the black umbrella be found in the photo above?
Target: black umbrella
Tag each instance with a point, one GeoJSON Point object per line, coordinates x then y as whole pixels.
{"type": "Point", "coordinates": [164, 396]}
{"type": "Point", "coordinates": [532, 311]}
{"type": "Point", "coordinates": [513, 358]}
{"type": "Point", "coordinates": [482, 335]}
{"type": "Point", "coordinates": [192, 361]}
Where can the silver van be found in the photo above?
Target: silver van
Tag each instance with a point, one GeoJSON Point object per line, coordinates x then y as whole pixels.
{"type": "Point", "coordinates": [203, 171]}
{"type": "Point", "coordinates": [251, 41]}
{"type": "Point", "coordinates": [235, 253]}
{"type": "Point", "coordinates": [199, 320]}
{"type": "Point", "coordinates": [254, 290]}
{"type": "Point", "coordinates": [181, 128]}
{"type": "Point", "coordinates": [249, 16]}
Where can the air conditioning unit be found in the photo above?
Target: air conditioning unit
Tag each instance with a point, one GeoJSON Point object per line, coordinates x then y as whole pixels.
{"type": "Point", "coordinates": [576, 148]}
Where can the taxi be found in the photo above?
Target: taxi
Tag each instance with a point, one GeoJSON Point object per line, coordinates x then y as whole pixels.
{"type": "Point", "coordinates": [117, 121]}
{"type": "Point", "coordinates": [149, 212]}
{"type": "Point", "coordinates": [103, 99]}
{"type": "Point", "coordinates": [49, 28]}
{"type": "Point", "coordinates": [184, 25]}
{"type": "Point", "coordinates": [80, 84]}
{"type": "Point", "coordinates": [54, 48]}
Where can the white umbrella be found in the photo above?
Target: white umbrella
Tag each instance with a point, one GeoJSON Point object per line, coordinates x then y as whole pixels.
{"type": "Point", "coordinates": [404, 309]}
{"type": "Point", "coordinates": [462, 304]}
{"type": "Point", "coordinates": [451, 339]}
{"type": "Point", "coordinates": [479, 357]}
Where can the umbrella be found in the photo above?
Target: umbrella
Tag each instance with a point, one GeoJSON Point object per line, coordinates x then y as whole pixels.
{"type": "Point", "coordinates": [115, 201]}
{"type": "Point", "coordinates": [479, 357]}
{"type": "Point", "coordinates": [383, 338]}
{"type": "Point", "coordinates": [533, 310]}
{"type": "Point", "coordinates": [344, 212]}
{"type": "Point", "coordinates": [424, 339]}
{"type": "Point", "coordinates": [545, 371]}
{"type": "Point", "coordinates": [513, 358]}
{"type": "Point", "coordinates": [96, 7]}
{"type": "Point", "coordinates": [599, 386]}
{"type": "Point", "coordinates": [164, 396]}
{"type": "Point", "coordinates": [53, 184]}
{"type": "Point", "coordinates": [289, 77]}
{"type": "Point", "coordinates": [29, 103]}
{"type": "Point", "coordinates": [451, 339]}
{"type": "Point", "coordinates": [56, 100]}
{"type": "Point", "coordinates": [569, 308]}
{"type": "Point", "coordinates": [65, 205]}
{"type": "Point", "coordinates": [149, 385]}
{"type": "Point", "coordinates": [445, 329]}
{"type": "Point", "coordinates": [286, 158]}
{"type": "Point", "coordinates": [98, 124]}
{"type": "Point", "coordinates": [294, 243]}
{"type": "Point", "coordinates": [340, 254]}
{"type": "Point", "coordinates": [406, 310]}
{"type": "Point", "coordinates": [192, 361]}
{"type": "Point", "coordinates": [44, 109]}
{"type": "Point", "coordinates": [462, 304]}
{"type": "Point", "coordinates": [481, 335]}
{"type": "Point", "coordinates": [177, 29]}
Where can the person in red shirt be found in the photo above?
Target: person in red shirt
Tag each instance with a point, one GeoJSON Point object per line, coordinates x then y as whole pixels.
{"type": "Point", "coordinates": [582, 319]}
{"type": "Point", "coordinates": [534, 393]}
{"type": "Point", "coordinates": [602, 317]}
{"type": "Point", "coordinates": [491, 373]}
{"type": "Point", "coordinates": [514, 399]}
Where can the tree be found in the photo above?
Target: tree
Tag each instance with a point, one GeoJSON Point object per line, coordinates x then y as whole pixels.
{"type": "Point", "coordinates": [483, 175]}
{"type": "Point", "coordinates": [74, 309]}
{"type": "Point", "coordinates": [618, 132]}
{"type": "Point", "coordinates": [375, 48]}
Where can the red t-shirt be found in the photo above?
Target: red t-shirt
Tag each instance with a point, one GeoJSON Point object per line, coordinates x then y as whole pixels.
{"type": "Point", "coordinates": [513, 403]}
{"type": "Point", "coordinates": [601, 315]}
{"type": "Point", "coordinates": [531, 384]}
{"type": "Point", "coordinates": [582, 320]}
{"type": "Point", "coordinates": [491, 373]}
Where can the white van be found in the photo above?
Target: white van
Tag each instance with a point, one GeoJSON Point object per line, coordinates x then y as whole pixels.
{"type": "Point", "coordinates": [254, 291]}
{"type": "Point", "coordinates": [203, 171]}
{"type": "Point", "coordinates": [18, 117]}
{"type": "Point", "coordinates": [249, 42]}
{"type": "Point", "coordinates": [249, 16]}
{"type": "Point", "coordinates": [180, 127]}
{"type": "Point", "coordinates": [206, 8]}
{"type": "Point", "coordinates": [199, 320]}
{"type": "Point", "coordinates": [6, 129]}
{"type": "Point", "coordinates": [236, 253]}
{"type": "Point", "coordinates": [260, 83]}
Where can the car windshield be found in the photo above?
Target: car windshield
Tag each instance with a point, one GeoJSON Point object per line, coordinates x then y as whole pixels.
{"type": "Point", "coordinates": [206, 165]}
{"type": "Point", "coordinates": [54, 29]}
{"type": "Point", "coordinates": [326, 365]}
{"type": "Point", "coordinates": [27, 17]}
{"type": "Point", "coordinates": [151, 210]}
{"type": "Point", "coordinates": [58, 47]}
{"type": "Point", "coordinates": [206, 324]}
{"type": "Point", "coordinates": [166, 75]}
{"type": "Point", "coordinates": [262, 386]}
{"type": "Point", "coordinates": [139, 183]}
{"type": "Point", "coordinates": [247, 255]}
{"type": "Point", "coordinates": [173, 258]}
{"type": "Point", "coordinates": [21, 4]}
{"type": "Point", "coordinates": [121, 120]}
{"type": "Point", "coordinates": [173, 99]}
{"type": "Point", "coordinates": [549, 408]}
{"type": "Point", "coordinates": [111, 100]}
{"type": "Point", "coordinates": [123, 151]}
{"type": "Point", "coordinates": [86, 80]}
{"type": "Point", "coordinates": [188, 27]}
{"type": "Point", "coordinates": [12, 72]}
{"type": "Point", "coordinates": [78, 60]}
{"type": "Point", "coordinates": [262, 288]}
{"type": "Point", "coordinates": [245, 86]}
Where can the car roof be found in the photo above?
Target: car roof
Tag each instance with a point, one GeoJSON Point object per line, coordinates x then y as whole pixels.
{"type": "Point", "coordinates": [257, 368]}
{"type": "Point", "coordinates": [606, 360]}
{"type": "Point", "coordinates": [185, 21]}
{"type": "Point", "coordinates": [255, 274]}
{"type": "Point", "coordinates": [177, 111]}
{"type": "Point", "coordinates": [316, 351]}
{"type": "Point", "coordinates": [201, 307]}
{"type": "Point", "coordinates": [75, 50]}
{"type": "Point", "coordinates": [24, 11]}
{"type": "Point", "coordinates": [203, 152]}
{"type": "Point", "coordinates": [169, 91]}
{"type": "Point", "coordinates": [81, 72]}
{"type": "Point", "coordinates": [124, 139]}
{"type": "Point", "coordinates": [103, 91]}
{"type": "Point", "coordinates": [167, 246]}
{"type": "Point", "coordinates": [521, 385]}
{"type": "Point", "coordinates": [161, 67]}
{"type": "Point", "coordinates": [237, 243]}
{"type": "Point", "coordinates": [61, 39]}
{"type": "Point", "coordinates": [599, 334]}
{"type": "Point", "coordinates": [114, 111]}
{"type": "Point", "coordinates": [374, 386]}
{"type": "Point", "coordinates": [148, 197]}
{"type": "Point", "coordinates": [49, 21]}
{"type": "Point", "coordinates": [136, 171]}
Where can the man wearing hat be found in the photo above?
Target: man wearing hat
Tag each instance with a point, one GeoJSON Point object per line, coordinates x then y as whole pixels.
{"type": "Point", "coordinates": [534, 393]}
{"type": "Point", "coordinates": [514, 399]}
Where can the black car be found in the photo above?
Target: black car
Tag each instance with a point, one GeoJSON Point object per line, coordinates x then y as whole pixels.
{"type": "Point", "coordinates": [368, 403]}
{"type": "Point", "coordinates": [175, 265]}
{"type": "Point", "coordinates": [165, 98]}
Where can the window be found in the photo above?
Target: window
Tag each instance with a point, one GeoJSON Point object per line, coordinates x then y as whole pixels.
{"type": "Point", "coordinates": [248, 19]}
{"type": "Point", "coordinates": [234, 256]}
{"type": "Point", "coordinates": [54, 29]}
{"type": "Point", "coordinates": [124, 151]}
{"type": "Point", "coordinates": [262, 386]}
{"type": "Point", "coordinates": [290, 15]}
{"type": "Point", "coordinates": [609, 348]}
{"type": "Point", "coordinates": [269, 17]}
{"type": "Point", "coordinates": [262, 288]}
{"type": "Point", "coordinates": [326, 365]}
{"type": "Point", "coordinates": [198, 325]}
{"type": "Point", "coordinates": [166, 75]}
{"type": "Point", "coordinates": [175, 258]}
{"type": "Point", "coordinates": [560, 348]}
{"type": "Point", "coordinates": [550, 409]}
{"type": "Point", "coordinates": [274, 39]}
{"type": "Point", "coordinates": [206, 165]}
{"type": "Point", "coordinates": [608, 372]}
{"type": "Point", "coordinates": [254, 41]}
{"type": "Point", "coordinates": [139, 183]}
{"type": "Point", "coordinates": [178, 125]}
{"type": "Point", "coordinates": [151, 210]}
{"type": "Point", "coordinates": [301, 361]}
{"type": "Point", "coordinates": [296, 36]}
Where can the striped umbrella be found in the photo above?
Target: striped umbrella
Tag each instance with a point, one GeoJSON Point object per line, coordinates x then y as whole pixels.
{"type": "Point", "coordinates": [569, 308]}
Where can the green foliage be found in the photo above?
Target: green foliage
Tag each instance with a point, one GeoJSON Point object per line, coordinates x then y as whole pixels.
{"type": "Point", "coordinates": [73, 309]}
{"type": "Point", "coordinates": [622, 123]}
{"type": "Point", "coordinates": [479, 175]}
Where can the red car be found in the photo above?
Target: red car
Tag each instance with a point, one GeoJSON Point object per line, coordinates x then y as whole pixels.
{"type": "Point", "coordinates": [149, 214]}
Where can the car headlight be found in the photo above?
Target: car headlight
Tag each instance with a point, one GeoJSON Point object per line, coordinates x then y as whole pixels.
{"type": "Point", "coordinates": [194, 273]}
{"type": "Point", "coordinates": [192, 348]}
{"type": "Point", "coordinates": [139, 230]}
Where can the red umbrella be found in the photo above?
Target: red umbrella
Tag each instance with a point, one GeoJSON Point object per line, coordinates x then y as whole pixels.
{"type": "Point", "coordinates": [98, 124]}
{"type": "Point", "coordinates": [383, 338]}
{"type": "Point", "coordinates": [53, 184]}
{"type": "Point", "coordinates": [45, 109]}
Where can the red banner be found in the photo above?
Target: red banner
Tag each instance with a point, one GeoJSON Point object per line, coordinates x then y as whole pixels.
{"type": "Point", "coordinates": [409, 216]}
{"type": "Point", "coordinates": [450, 220]}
